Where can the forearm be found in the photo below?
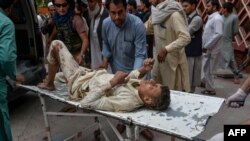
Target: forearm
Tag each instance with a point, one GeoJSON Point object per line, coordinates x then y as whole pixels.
{"type": "Point", "coordinates": [246, 85]}
{"type": "Point", "coordinates": [143, 71]}
{"type": "Point", "coordinates": [85, 43]}
{"type": "Point", "coordinates": [95, 94]}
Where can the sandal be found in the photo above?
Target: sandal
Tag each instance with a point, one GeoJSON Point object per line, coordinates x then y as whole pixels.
{"type": "Point", "coordinates": [208, 92]}
{"type": "Point", "coordinates": [43, 85]}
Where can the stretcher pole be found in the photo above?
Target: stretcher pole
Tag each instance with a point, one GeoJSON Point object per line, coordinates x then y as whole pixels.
{"type": "Point", "coordinates": [137, 133]}
{"type": "Point", "coordinates": [47, 127]}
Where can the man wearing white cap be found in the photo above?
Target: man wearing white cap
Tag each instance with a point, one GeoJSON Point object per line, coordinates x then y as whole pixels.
{"type": "Point", "coordinates": [51, 8]}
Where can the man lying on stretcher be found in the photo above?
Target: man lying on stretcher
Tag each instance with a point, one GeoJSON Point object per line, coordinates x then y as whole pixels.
{"type": "Point", "coordinates": [98, 89]}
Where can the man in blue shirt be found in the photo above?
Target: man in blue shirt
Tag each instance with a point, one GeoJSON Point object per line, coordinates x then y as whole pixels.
{"type": "Point", "coordinates": [124, 43]}
{"type": "Point", "coordinates": [124, 38]}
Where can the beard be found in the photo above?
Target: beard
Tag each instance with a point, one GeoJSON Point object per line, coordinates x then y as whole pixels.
{"type": "Point", "coordinates": [93, 13]}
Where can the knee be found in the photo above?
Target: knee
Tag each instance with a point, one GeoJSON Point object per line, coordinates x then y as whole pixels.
{"type": "Point", "coordinates": [57, 45]}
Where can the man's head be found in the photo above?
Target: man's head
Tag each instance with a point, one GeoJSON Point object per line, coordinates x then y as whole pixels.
{"type": "Point", "coordinates": [132, 6]}
{"type": "Point", "coordinates": [51, 8]}
{"type": "Point", "coordinates": [212, 6]}
{"type": "Point", "coordinates": [94, 7]}
{"type": "Point", "coordinates": [227, 8]}
{"type": "Point", "coordinates": [62, 6]}
{"type": "Point", "coordinates": [6, 5]}
{"type": "Point", "coordinates": [117, 11]}
{"type": "Point", "coordinates": [145, 5]}
{"type": "Point", "coordinates": [189, 6]}
{"type": "Point", "coordinates": [154, 95]}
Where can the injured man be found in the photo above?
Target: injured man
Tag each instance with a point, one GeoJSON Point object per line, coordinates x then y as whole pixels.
{"type": "Point", "coordinates": [100, 90]}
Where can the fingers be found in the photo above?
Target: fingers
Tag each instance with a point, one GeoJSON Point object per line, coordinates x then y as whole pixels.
{"type": "Point", "coordinates": [234, 105]}
{"type": "Point", "coordinates": [149, 62]}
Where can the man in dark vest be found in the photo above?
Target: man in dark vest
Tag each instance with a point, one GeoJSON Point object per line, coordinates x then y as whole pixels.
{"type": "Point", "coordinates": [194, 48]}
{"type": "Point", "coordinates": [97, 14]}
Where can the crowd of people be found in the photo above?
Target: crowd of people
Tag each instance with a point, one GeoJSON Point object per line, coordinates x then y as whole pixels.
{"type": "Point", "coordinates": [117, 56]}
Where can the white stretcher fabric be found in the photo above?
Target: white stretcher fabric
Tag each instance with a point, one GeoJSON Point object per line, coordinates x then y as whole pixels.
{"type": "Point", "coordinates": [185, 118]}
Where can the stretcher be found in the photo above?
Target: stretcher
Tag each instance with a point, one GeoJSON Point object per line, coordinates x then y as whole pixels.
{"type": "Point", "coordinates": [185, 118]}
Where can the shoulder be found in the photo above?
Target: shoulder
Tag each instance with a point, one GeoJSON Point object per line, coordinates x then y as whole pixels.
{"type": "Point", "coordinates": [198, 18]}
{"type": "Point", "coordinates": [107, 21]}
{"type": "Point", "coordinates": [134, 20]}
{"type": "Point", "coordinates": [105, 12]}
{"type": "Point", "coordinates": [77, 17]}
{"type": "Point", "coordinates": [6, 22]}
{"type": "Point", "coordinates": [218, 17]}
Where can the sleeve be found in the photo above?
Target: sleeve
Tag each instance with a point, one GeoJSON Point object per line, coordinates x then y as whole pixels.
{"type": "Point", "coordinates": [79, 25]}
{"type": "Point", "coordinates": [96, 100]}
{"type": "Point", "coordinates": [133, 74]}
{"type": "Point", "coordinates": [92, 98]}
{"type": "Point", "coordinates": [181, 30]}
{"type": "Point", "coordinates": [140, 45]}
{"type": "Point", "coordinates": [9, 50]}
{"type": "Point", "coordinates": [195, 25]}
{"type": "Point", "coordinates": [235, 25]}
{"type": "Point", "coordinates": [106, 51]}
{"type": "Point", "coordinates": [218, 25]}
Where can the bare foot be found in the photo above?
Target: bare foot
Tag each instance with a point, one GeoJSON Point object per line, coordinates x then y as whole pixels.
{"type": "Point", "coordinates": [46, 86]}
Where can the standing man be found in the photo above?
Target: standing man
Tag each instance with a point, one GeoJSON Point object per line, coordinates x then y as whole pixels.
{"type": "Point", "coordinates": [97, 14]}
{"type": "Point", "coordinates": [146, 13]}
{"type": "Point", "coordinates": [48, 25]}
{"type": "Point", "coordinates": [124, 43]}
{"type": "Point", "coordinates": [194, 48]}
{"type": "Point", "coordinates": [7, 65]}
{"type": "Point", "coordinates": [170, 27]}
{"type": "Point", "coordinates": [211, 40]}
{"type": "Point", "coordinates": [124, 38]}
{"type": "Point", "coordinates": [231, 28]}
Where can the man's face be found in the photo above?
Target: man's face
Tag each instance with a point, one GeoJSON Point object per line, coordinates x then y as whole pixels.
{"type": "Point", "coordinates": [224, 11]}
{"type": "Point", "coordinates": [188, 8]}
{"type": "Point", "coordinates": [148, 90]}
{"type": "Point", "coordinates": [210, 8]}
{"type": "Point", "coordinates": [52, 10]}
{"type": "Point", "coordinates": [130, 9]}
{"type": "Point", "coordinates": [62, 7]}
{"type": "Point", "coordinates": [117, 13]}
{"type": "Point", "coordinates": [92, 4]}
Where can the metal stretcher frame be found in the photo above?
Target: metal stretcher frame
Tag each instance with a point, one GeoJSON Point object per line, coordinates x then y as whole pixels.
{"type": "Point", "coordinates": [186, 117]}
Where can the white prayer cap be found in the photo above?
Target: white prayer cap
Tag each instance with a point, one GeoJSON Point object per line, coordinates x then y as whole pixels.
{"type": "Point", "coordinates": [50, 4]}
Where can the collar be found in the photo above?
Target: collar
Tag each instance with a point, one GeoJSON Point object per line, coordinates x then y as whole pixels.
{"type": "Point", "coordinates": [192, 14]}
{"type": "Point", "coordinates": [134, 90]}
{"type": "Point", "coordinates": [213, 14]}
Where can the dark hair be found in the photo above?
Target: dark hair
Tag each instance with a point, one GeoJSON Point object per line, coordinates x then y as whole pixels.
{"type": "Point", "coordinates": [133, 3]}
{"type": "Point", "coordinates": [4, 4]}
{"type": "Point", "coordinates": [191, 2]}
{"type": "Point", "coordinates": [229, 6]}
{"type": "Point", "coordinates": [215, 3]}
{"type": "Point", "coordinates": [123, 2]}
{"type": "Point", "coordinates": [146, 2]}
{"type": "Point", "coordinates": [162, 101]}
